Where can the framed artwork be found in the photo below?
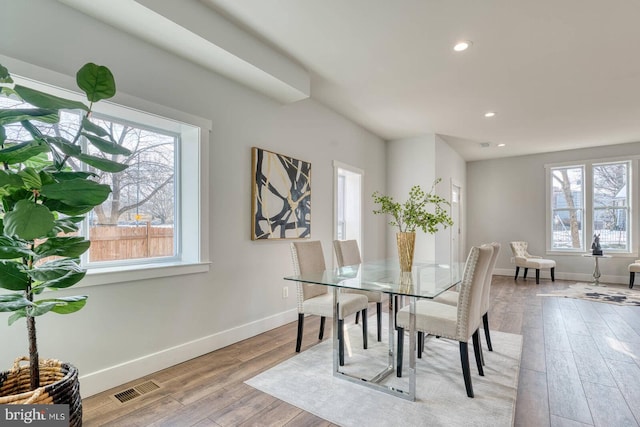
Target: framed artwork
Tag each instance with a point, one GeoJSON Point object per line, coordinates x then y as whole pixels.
{"type": "Point", "coordinates": [281, 196]}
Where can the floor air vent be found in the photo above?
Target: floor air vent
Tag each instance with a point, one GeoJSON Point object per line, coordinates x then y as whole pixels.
{"type": "Point", "coordinates": [136, 391]}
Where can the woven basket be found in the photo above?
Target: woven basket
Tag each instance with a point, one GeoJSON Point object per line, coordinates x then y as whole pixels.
{"type": "Point", "coordinates": [58, 385]}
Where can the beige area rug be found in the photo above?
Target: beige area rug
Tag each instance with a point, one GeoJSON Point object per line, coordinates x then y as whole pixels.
{"type": "Point", "coordinates": [611, 294]}
{"type": "Point", "coordinates": [306, 381]}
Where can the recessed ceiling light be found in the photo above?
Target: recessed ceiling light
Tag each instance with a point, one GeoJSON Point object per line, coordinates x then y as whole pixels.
{"type": "Point", "coordinates": [462, 45]}
{"type": "Point", "coordinates": [490, 114]}
{"type": "Point", "coordinates": [501, 145]}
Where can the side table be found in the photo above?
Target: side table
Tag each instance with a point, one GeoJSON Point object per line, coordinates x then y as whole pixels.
{"type": "Point", "coordinates": [596, 267]}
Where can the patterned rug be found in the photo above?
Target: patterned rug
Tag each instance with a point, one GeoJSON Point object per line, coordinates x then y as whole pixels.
{"type": "Point", "coordinates": [611, 294]}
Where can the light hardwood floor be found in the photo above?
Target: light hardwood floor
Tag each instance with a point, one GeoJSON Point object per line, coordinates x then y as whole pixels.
{"type": "Point", "coordinates": [580, 366]}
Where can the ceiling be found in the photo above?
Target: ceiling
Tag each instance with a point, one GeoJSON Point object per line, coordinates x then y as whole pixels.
{"type": "Point", "coordinates": [559, 74]}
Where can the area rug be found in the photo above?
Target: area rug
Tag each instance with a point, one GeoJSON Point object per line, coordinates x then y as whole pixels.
{"type": "Point", "coordinates": [612, 294]}
{"type": "Point", "coordinates": [306, 381]}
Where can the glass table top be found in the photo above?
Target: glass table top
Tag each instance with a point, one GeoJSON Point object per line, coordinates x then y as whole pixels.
{"type": "Point", "coordinates": [426, 280]}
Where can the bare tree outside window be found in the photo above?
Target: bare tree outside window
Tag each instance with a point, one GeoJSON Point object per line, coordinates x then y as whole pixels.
{"type": "Point", "coordinates": [610, 204]}
{"type": "Point", "coordinates": [137, 220]}
{"type": "Point", "coordinates": [567, 207]}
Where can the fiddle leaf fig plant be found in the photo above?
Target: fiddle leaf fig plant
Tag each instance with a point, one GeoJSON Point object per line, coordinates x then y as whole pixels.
{"type": "Point", "coordinates": [426, 211]}
{"type": "Point", "coordinates": [43, 199]}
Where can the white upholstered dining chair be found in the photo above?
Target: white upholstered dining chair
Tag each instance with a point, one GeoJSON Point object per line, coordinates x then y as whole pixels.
{"type": "Point", "coordinates": [348, 253]}
{"type": "Point", "coordinates": [318, 299]}
{"type": "Point", "coordinates": [460, 322]}
{"type": "Point", "coordinates": [451, 297]}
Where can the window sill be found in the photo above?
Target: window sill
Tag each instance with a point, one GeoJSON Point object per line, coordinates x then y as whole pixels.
{"type": "Point", "coordinates": [580, 253]}
{"type": "Point", "coordinates": [130, 273]}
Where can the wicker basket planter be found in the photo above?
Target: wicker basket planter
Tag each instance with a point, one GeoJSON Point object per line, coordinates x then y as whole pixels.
{"type": "Point", "coordinates": [58, 385]}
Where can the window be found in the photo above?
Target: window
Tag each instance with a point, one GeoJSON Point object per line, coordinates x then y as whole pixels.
{"type": "Point", "coordinates": [590, 199]}
{"type": "Point", "coordinates": [145, 223]}
{"type": "Point", "coordinates": [567, 201]}
{"type": "Point", "coordinates": [348, 202]}
{"type": "Point", "coordinates": [611, 205]}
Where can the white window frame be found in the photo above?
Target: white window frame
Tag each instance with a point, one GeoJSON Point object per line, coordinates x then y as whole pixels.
{"type": "Point", "coordinates": [193, 182]}
{"type": "Point", "coordinates": [337, 165]}
{"type": "Point", "coordinates": [587, 227]}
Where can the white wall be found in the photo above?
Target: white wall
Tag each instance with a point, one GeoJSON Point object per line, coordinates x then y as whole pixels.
{"type": "Point", "coordinates": [419, 161]}
{"type": "Point", "coordinates": [452, 169]}
{"type": "Point", "coordinates": [506, 202]}
{"type": "Point", "coordinates": [131, 329]}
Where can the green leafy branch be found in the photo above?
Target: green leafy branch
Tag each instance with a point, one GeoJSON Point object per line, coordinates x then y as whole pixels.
{"type": "Point", "coordinates": [426, 211]}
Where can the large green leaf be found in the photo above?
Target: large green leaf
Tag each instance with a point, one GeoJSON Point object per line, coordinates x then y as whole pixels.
{"type": "Point", "coordinates": [3, 135]}
{"type": "Point", "coordinates": [21, 152]}
{"type": "Point", "coordinates": [62, 246]}
{"type": "Point", "coordinates": [31, 178]}
{"type": "Point", "coordinates": [28, 220]}
{"type": "Point", "coordinates": [10, 179]}
{"type": "Point", "coordinates": [102, 164]}
{"type": "Point", "coordinates": [69, 279]}
{"type": "Point", "coordinates": [67, 225]}
{"type": "Point", "coordinates": [63, 208]}
{"type": "Point", "coordinates": [5, 77]}
{"type": "Point", "coordinates": [55, 270]}
{"type": "Point", "coordinates": [107, 146]}
{"type": "Point", "coordinates": [89, 126]}
{"type": "Point", "coordinates": [96, 81]}
{"type": "Point", "coordinates": [66, 305]}
{"type": "Point", "coordinates": [13, 302]}
{"type": "Point", "coordinates": [44, 100]}
{"type": "Point", "coordinates": [21, 114]}
{"type": "Point", "coordinates": [12, 277]}
{"type": "Point", "coordinates": [77, 192]}
{"type": "Point", "coordinates": [11, 249]}
{"type": "Point", "coordinates": [18, 314]}
{"type": "Point", "coordinates": [67, 176]}
{"type": "Point", "coordinates": [40, 308]}
{"type": "Point", "coordinates": [65, 146]}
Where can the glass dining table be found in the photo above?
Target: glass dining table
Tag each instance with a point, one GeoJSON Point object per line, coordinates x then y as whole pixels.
{"type": "Point", "coordinates": [426, 280]}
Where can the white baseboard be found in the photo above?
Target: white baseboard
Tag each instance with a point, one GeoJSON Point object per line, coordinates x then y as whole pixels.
{"type": "Point", "coordinates": [578, 277]}
{"type": "Point", "coordinates": [99, 381]}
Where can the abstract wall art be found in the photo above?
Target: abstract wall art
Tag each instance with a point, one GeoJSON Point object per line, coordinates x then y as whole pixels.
{"type": "Point", "coordinates": [281, 196]}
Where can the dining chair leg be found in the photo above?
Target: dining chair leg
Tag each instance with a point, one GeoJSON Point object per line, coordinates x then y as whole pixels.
{"type": "Point", "coordinates": [357, 317]}
{"type": "Point", "coordinates": [321, 333]}
{"type": "Point", "coordinates": [553, 274]}
{"type": "Point", "coordinates": [379, 319]}
{"type": "Point", "coordinates": [341, 341]}
{"type": "Point", "coordinates": [477, 350]}
{"type": "Point", "coordinates": [300, 327]}
{"type": "Point", "coordinates": [487, 335]}
{"type": "Point", "coordinates": [466, 373]}
{"type": "Point", "coordinates": [632, 277]}
{"type": "Point", "coordinates": [399, 351]}
{"type": "Point", "coordinates": [526, 270]}
{"type": "Point", "coordinates": [537, 276]}
{"type": "Point", "coordinates": [420, 344]}
{"type": "Point", "coordinates": [365, 340]}
{"type": "Point", "coordinates": [517, 271]}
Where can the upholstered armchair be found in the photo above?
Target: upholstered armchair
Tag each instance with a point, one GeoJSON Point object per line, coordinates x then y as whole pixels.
{"type": "Point", "coordinates": [633, 269]}
{"type": "Point", "coordinates": [524, 259]}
